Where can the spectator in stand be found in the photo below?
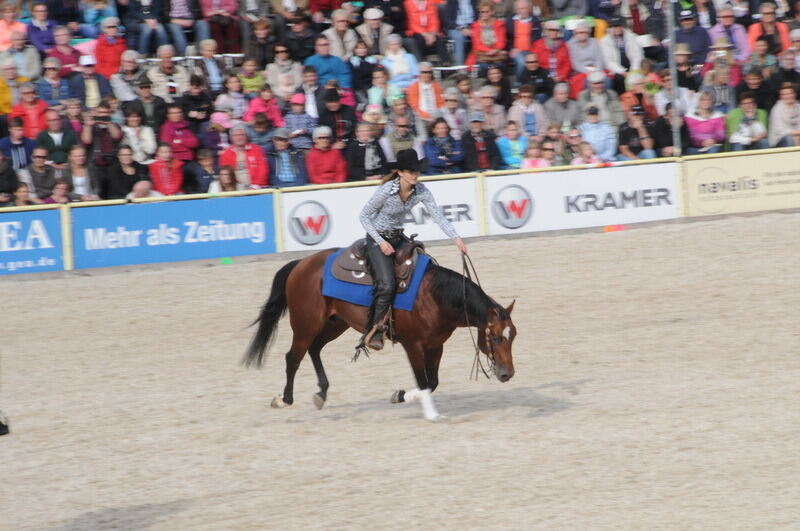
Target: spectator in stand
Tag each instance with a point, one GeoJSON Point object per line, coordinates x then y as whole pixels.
{"type": "Point", "coordinates": [8, 180]}
{"type": "Point", "coordinates": [393, 12]}
{"type": "Point", "coordinates": [784, 118]}
{"type": "Point", "coordinates": [398, 138]}
{"type": "Point", "coordinates": [232, 98]}
{"type": "Point", "coordinates": [374, 32]}
{"type": "Point", "coordinates": [601, 135]}
{"type": "Point", "coordinates": [341, 119]}
{"type": "Point", "coordinates": [202, 172]}
{"type": "Point", "coordinates": [211, 68]}
{"type": "Point", "coordinates": [9, 24]}
{"type": "Point", "coordinates": [787, 71]}
{"type": "Point", "coordinates": [683, 97]}
{"type": "Point", "coordinates": [300, 40]}
{"type": "Point", "coordinates": [177, 133]}
{"type": "Point", "coordinates": [733, 32]}
{"type": "Point", "coordinates": [56, 139]}
{"type": "Point", "coordinates": [401, 108]}
{"type": "Point", "coordinates": [89, 87]}
{"type": "Point", "coordinates": [402, 66]}
{"type": "Point", "coordinates": [638, 16]}
{"type": "Point", "coordinates": [794, 23]}
{"type": "Point", "coordinates": [341, 37]}
{"type": "Point", "coordinates": [528, 114]}
{"type": "Point", "coordinates": [25, 56]}
{"type": "Point", "coordinates": [706, 126]}
{"type": "Point", "coordinates": [374, 115]}
{"type": "Point", "coordinates": [562, 110]}
{"type": "Point", "coordinates": [322, 9]}
{"type": "Point", "coordinates": [123, 175]}
{"type": "Point", "coordinates": [69, 56]}
{"type": "Point", "coordinates": [362, 66]}
{"type": "Point", "coordinates": [197, 104]}
{"type": "Point", "coordinates": [21, 196]}
{"type": "Point", "coordinates": [717, 84]}
{"type": "Point", "coordinates": [325, 165]}
{"type": "Point", "coordinates": [73, 115]}
{"type": "Point", "coordinates": [62, 193]}
{"type": "Point", "coordinates": [51, 88]}
{"type": "Point", "coordinates": [638, 94]}
{"type": "Point", "coordinates": [425, 95]}
{"type": "Point", "coordinates": [32, 111]}
{"type": "Point", "coordinates": [186, 15]}
{"type": "Point", "coordinates": [110, 47]}
{"type": "Point", "coordinates": [444, 153]}
{"type": "Point", "coordinates": [662, 134]}
{"type": "Point", "coordinates": [93, 14]}
{"type": "Point", "coordinates": [138, 138]}
{"type": "Point", "coordinates": [605, 100]}
{"type": "Point", "coordinates": [261, 44]}
{"type": "Point", "coordinates": [152, 108]}
{"type": "Point", "coordinates": [794, 37]}
{"type": "Point", "coordinates": [143, 189]}
{"type": "Point", "coordinates": [584, 54]}
{"type": "Point", "coordinates": [746, 126]}
{"type": "Point", "coordinates": [124, 82]}
{"type": "Point", "coordinates": [467, 98]}
{"type": "Point", "coordinates": [9, 86]}
{"type": "Point", "coordinates": [586, 155]}
{"type": "Point", "coordinates": [226, 182]}
{"type": "Point", "coordinates": [287, 165]}
{"type": "Point", "coordinates": [166, 172]}
{"type": "Point", "coordinates": [329, 66]}
{"type": "Point", "coordinates": [102, 136]}
{"type": "Point", "coordinates": [223, 20]}
{"type": "Point", "coordinates": [635, 137]}
{"type": "Point", "coordinates": [424, 31]}
{"type": "Point", "coordinates": [494, 114]}
{"type": "Point", "coordinates": [40, 29]}
{"type": "Point", "coordinates": [38, 175]}
{"type": "Point", "coordinates": [283, 74]}
{"type": "Point", "coordinates": [488, 39]}
{"type": "Point", "coordinates": [260, 132]}
{"type": "Point", "coordinates": [693, 35]}
{"type": "Point", "coordinates": [495, 77]}
{"type": "Point", "coordinates": [455, 116]}
{"type": "Point", "coordinates": [775, 33]}
{"type": "Point", "coordinates": [522, 30]}
{"type": "Point", "coordinates": [246, 158]}
{"type": "Point", "coordinates": [622, 52]}
{"type": "Point", "coordinates": [762, 90]}
{"type": "Point", "coordinates": [252, 79]}
{"type": "Point", "coordinates": [547, 156]}
{"type": "Point", "coordinates": [552, 52]}
{"type": "Point", "coordinates": [687, 77]}
{"type": "Point", "coordinates": [169, 80]}
{"type": "Point", "coordinates": [537, 77]}
{"type": "Point", "coordinates": [214, 134]}
{"type": "Point", "coordinates": [299, 123]}
{"type": "Point", "coordinates": [143, 25]}
{"type": "Point", "coordinates": [572, 142]}
{"type": "Point", "coordinates": [17, 148]}
{"type": "Point", "coordinates": [512, 146]}
{"type": "Point", "coordinates": [267, 104]}
{"type": "Point", "coordinates": [364, 156]}
{"type": "Point", "coordinates": [83, 185]}
{"type": "Point", "coordinates": [313, 92]}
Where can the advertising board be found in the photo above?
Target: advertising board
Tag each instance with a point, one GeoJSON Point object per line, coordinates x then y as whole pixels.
{"type": "Point", "coordinates": [30, 242]}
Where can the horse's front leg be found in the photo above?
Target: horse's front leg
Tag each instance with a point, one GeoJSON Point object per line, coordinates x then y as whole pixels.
{"type": "Point", "coordinates": [416, 357]}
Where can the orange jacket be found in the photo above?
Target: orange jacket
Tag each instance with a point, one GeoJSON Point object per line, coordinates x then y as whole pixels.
{"type": "Point", "coordinates": [414, 16]}
{"type": "Point", "coordinates": [479, 46]}
{"type": "Point", "coordinates": [413, 98]}
{"type": "Point", "coordinates": [33, 117]}
{"type": "Point", "coordinates": [755, 31]}
{"type": "Point", "coordinates": [628, 99]}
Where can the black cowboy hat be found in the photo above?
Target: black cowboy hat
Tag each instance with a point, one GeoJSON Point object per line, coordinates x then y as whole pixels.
{"type": "Point", "coordinates": [406, 160]}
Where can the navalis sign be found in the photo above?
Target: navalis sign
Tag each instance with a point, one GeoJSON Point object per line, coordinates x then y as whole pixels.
{"type": "Point", "coordinates": [752, 183]}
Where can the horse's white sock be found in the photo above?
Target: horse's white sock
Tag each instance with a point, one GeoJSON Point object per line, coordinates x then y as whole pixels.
{"type": "Point", "coordinates": [428, 409]}
{"type": "Point", "coordinates": [411, 395]}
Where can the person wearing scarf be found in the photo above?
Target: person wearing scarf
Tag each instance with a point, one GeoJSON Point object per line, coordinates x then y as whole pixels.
{"type": "Point", "coordinates": [444, 153]}
{"type": "Point", "coordinates": [402, 66]}
{"type": "Point", "coordinates": [365, 158]}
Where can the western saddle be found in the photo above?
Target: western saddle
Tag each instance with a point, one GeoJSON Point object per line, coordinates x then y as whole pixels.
{"type": "Point", "coordinates": [351, 264]}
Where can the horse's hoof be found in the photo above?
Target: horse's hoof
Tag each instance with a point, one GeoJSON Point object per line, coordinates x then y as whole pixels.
{"type": "Point", "coordinates": [278, 403]}
{"type": "Point", "coordinates": [398, 397]}
{"type": "Point", "coordinates": [437, 418]}
{"type": "Point", "coordinates": [318, 400]}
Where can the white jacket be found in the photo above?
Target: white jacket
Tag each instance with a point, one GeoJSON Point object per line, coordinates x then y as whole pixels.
{"type": "Point", "coordinates": [611, 55]}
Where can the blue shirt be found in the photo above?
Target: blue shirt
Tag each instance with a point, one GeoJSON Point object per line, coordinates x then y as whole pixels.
{"type": "Point", "coordinates": [331, 67]}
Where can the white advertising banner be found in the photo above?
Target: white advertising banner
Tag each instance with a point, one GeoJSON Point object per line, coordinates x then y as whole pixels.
{"type": "Point", "coordinates": [582, 198]}
{"type": "Point", "coordinates": [321, 219]}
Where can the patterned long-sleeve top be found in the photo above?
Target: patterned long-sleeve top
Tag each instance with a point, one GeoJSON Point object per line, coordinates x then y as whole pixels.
{"type": "Point", "coordinates": [385, 211]}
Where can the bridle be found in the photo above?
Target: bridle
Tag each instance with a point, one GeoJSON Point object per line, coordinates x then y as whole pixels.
{"type": "Point", "coordinates": [477, 363]}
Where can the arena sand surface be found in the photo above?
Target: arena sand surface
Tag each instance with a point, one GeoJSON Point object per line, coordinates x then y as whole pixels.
{"type": "Point", "coordinates": [657, 385]}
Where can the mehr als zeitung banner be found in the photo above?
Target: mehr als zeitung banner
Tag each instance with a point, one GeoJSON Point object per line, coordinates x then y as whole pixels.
{"type": "Point", "coordinates": [321, 219]}
{"type": "Point", "coordinates": [726, 185]}
{"type": "Point", "coordinates": [30, 242]}
{"type": "Point", "coordinates": [173, 231]}
{"type": "Point", "coordinates": [582, 198]}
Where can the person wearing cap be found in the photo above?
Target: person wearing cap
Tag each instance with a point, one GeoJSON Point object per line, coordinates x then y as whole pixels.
{"type": "Point", "coordinates": [51, 88]}
{"type": "Point", "coordinates": [402, 66]}
{"type": "Point", "coordinates": [286, 164]}
{"type": "Point", "coordinates": [329, 66]}
{"type": "Point", "coordinates": [31, 109]}
{"type": "Point", "coordinates": [733, 32]}
{"type": "Point", "coordinates": [300, 39]}
{"type": "Point", "coordinates": [110, 47]}
{"type": "Point", "coordinates": [152, 108]}
{"type": "Point", "coordinates": [383, 217]}
{"type": "Point", "coordinates": [340, 118]}
{"type": "Point", "coordinates": [584, 52]}
{"type": "Point", "coordinates": [522, 30]}
{"type": "Point", "coordinates": [455, 115]}
{"type": "Point", "coordinates": [374, 32]}
{"type": "Point", "coordinates": [283, 74]}
{"type": "Point", "coordinates": [552, 52]}
{"type": "Point", "coordinates": [89, 87]}
{"type": "Point", "coordinates": [620, 47]}
{"type": "Point", "coordinates": [481, 152]}
{"type": "Point", "coordinates": [40, 29]}
{"type": "Point", "coordinates": [365, 158]}
{"type": "Point", "coordinates": [169, 80]}
{"type": "Point", "coordinates": [299, 123]}
{"type": "Point", "coordinates": [695, 36]}
{"type": "Point", "coordinates": [424, 30]}
{"type": "Point", "coordinates": [528, 114]}
{"type": "Point", "coordinates": [635, 137]}
{"type": "Point", "coordinates": [25, 56]}
{"type": "Point", "coordinates": [324, 164]}
{"type": "Point", "coordinates": [606, 100]}
{"type": "Point", "coordinates": [562, 110]}
{"type": "Point", "coordinates": [687, 76]}
{"type": "Point", "coordinates": [246, 158]}
{"type": "Point", "coordinates": [488, 39]}
{"type": "Point", "coordinates": [601, 135]}
{"type": "Point", "coordinates": [776, 33]}
{"type": "Point", "coordinates": [341, 36]}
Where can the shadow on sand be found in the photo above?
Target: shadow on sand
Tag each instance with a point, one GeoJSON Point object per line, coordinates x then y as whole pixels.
{"type": "Point", "coordinates": [133, 517]}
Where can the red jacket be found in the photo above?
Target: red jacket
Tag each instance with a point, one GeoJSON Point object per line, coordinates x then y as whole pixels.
{"type": "Point", "coordinates": [180, 138]}
{"type": "Point", "coordinates": [325, 167]}
{"type": "Point", "coordinates": [33, 117]}
{"type": "Point", "coordinates": [477, 43]}
{"type": "Point", "coordinates": [256, 163]}
{"type": "Point", "coordinates": [415, 16]}
{"type": "Point", "coordinates": [167, 177]}
{"type": "Point", "coordinates": [231, 7]}
{"type": "Point", "coordinates": [315, 6]}
{"type": "Point", "coordinates": [108, 55]}
{"type": "Point", "coordinates": [413, 98]}
{"type": "Point", "coordinates": [563, 65]}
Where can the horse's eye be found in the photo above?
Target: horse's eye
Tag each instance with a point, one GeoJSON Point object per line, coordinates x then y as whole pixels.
{"type": "Point", "coordinates": [496, 339]}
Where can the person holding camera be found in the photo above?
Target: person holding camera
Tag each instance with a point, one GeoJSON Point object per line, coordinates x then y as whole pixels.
{"type": "Point", "coordinates": [101, 136]}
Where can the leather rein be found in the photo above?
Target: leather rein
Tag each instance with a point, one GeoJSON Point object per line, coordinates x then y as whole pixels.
{"type": "Point", "coordinates": [477, 363]}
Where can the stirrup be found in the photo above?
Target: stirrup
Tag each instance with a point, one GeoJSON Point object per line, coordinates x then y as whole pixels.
{"type": "Point", "coordinates": [374, 339]}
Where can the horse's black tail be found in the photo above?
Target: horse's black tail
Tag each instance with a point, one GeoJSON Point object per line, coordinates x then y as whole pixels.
{"type": "Point", "coordinates": [271, 313]}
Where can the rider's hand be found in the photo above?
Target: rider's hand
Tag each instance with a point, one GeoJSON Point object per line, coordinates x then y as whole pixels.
{"type": "Point", "coordinates": [461, 246]}
{"type": "Point", "coordinates": [386, 248]}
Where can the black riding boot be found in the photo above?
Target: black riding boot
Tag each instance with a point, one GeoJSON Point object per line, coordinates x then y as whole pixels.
{"type": "Point", "coordinates": [382, 270]}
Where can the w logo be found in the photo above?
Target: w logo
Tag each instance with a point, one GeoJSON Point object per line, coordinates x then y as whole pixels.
{"type": "Point", "coordinates": [512, 206]}
{"type": "Point", "coordinates": [309, 223]}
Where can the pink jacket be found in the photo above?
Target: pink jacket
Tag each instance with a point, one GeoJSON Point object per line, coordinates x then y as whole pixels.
{"type": "Point", "coordinates": [269, 108]}
{"type": "Point", "coordinates": [180, 138]}
{"type": "Point", "coordinates": [231, 7]}
{"type": "Point", "coordinates": [701, 129]}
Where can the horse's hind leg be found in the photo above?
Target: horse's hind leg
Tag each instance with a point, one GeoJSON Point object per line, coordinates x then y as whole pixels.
{"type": "Point", "coordinates": [333, 329]}
{"type": "Point", "coordinates": [295, 355]}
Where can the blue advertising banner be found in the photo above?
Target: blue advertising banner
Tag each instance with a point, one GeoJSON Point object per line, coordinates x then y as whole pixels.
{"type": "Point", "coordinates": [30, 242]}
{"type": "Point", "coordinates": [172, 231]}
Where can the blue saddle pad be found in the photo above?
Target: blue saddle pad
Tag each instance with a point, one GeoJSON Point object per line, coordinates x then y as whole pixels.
{"type": "Point", "coordinates": [362, 295]}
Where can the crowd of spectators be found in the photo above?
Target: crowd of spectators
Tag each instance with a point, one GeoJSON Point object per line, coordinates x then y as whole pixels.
{"type": "Point", "coordinates": [107, 99]}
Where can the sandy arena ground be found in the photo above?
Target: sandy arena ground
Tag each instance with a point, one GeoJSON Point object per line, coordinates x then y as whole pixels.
{"type": "Point", "coordinates": [657, 386]}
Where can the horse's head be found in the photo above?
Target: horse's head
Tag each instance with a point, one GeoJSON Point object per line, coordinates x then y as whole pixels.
{"type": "Point", "coordinates": [495, 341]}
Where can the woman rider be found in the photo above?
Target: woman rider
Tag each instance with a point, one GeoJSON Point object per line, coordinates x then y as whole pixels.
{"type": "Point", "coordinates": [383, 217]}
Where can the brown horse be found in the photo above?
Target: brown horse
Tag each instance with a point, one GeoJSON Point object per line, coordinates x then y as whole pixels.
{"type": "Point", "coordinates": [439, 309]}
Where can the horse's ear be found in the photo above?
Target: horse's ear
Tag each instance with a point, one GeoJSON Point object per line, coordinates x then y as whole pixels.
{"type": "Point", "coordinates": [511, 307]}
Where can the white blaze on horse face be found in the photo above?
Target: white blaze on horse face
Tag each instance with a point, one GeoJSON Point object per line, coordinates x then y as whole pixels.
{"type": "Point", "coordinates": [507, 333]}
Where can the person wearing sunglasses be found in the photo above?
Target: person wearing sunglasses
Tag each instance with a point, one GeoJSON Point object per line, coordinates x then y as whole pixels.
{"type": "Point", "coordinates": [110, 47]}
{"type": "Point", "coordinates": [455, 116]}
{"type": "Point", "coordinates": [425, 95]}
{"type": "Point", "coordinates": [735, 33]}
{"type": "Point", "coordinates": [38, 175]}
{"type": "Point", "coordinates": [51, 88]}
{"type": "Point", "coordinates": [776, 33]}
{"type": "Point", "coordinates": [552, 52]}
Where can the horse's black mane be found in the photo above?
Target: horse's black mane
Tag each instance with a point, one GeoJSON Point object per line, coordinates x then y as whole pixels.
{"type": "Point", "coordinates": [447, 287]}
